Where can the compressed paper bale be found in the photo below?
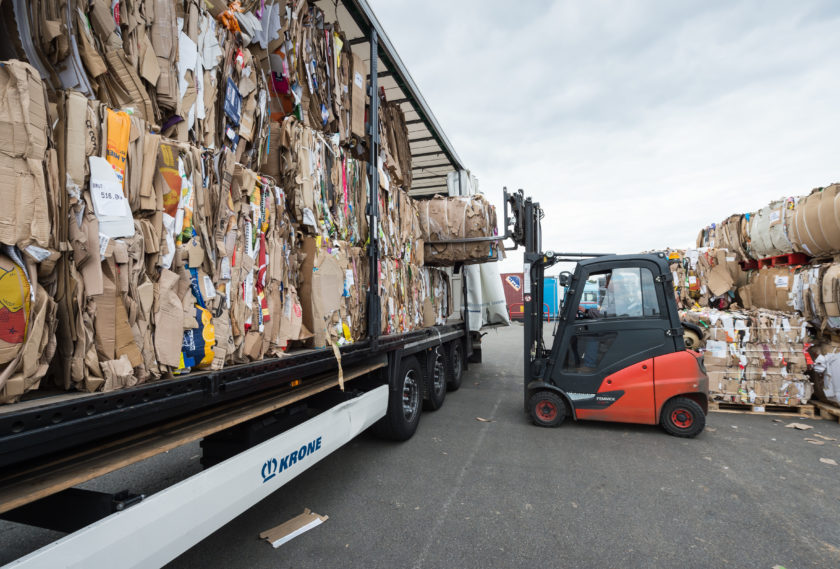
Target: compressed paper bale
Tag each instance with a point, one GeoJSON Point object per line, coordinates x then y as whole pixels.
{"type": "Point", "coordinates": [816, 227]}
{"type": "Point", "coordinates": [445, 218]}
{"type": "Point", "coordinates": [767, 231]}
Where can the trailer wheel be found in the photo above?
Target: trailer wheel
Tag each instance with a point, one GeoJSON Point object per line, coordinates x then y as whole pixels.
{"type": "Point", "coordinates": [454, 365]}
{"type": "Point", "coordinates": [682, 417]}
{"type": "Point", "coordinates": [435, 379]}
{"type": "Point", "coordinates": [547, 409]}
{"type": "Point", "coordinates": [404, 403]}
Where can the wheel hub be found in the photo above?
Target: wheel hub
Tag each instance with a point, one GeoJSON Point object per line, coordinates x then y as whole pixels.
{"type": "Point", "coordinates": [411, 395]}
{"type": "Point", "coordinates": [438, 375]}
{"type": "Point", "coordinates": [546, 410]}
{"type": "Point", "coordinates": [681, 418]}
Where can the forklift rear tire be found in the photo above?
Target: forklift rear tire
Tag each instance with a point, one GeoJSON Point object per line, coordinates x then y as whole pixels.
{"type": "Point", "coordinates": [454, 365]}
{"type": "Point", "coordinates": [547, 409]}
{"type": "Point", "coordinates": [404, 403]}
{"type": "Point", "coordinates": [435, 379]}
{"type": "Point", "coordinates": [682, 417]}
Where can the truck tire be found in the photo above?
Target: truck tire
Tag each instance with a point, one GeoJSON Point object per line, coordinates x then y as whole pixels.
{"type": "Point", "coordinates": [404, 403]}
{"type": "Point", "coordinates": [682, 417]}
{"type": "Point", "coordinates": [454, 365]}
{"type": "Point", "coordinates": [547, 409]}
{"type": "Point", "coordinates": [435, 379]}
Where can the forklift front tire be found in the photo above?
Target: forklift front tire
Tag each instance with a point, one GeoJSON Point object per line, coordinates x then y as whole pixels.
{"type": "Point", "coordinates": [682, 417]}
{"type": "Point", "coordinates": [547, 409]}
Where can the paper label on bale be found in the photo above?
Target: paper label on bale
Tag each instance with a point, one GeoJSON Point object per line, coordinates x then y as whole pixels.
{"type": "Point", "coordinates": [717, 349]}
{"type": "Point", "coordinates": [109, 202]}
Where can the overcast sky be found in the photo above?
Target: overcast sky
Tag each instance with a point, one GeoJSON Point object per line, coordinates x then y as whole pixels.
{"type": "Point", "coordinates": [634, 124]}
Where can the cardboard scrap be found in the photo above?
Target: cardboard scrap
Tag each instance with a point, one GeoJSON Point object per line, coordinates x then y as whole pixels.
{"type": "Point", "coordinates": [289, 530]}
{"type": "Point", "coordinates": [830, 461]}
{"type": "Point", "coordinates": [799, 426]}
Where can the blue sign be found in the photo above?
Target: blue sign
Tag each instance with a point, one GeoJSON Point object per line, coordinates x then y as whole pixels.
{"type": "Point", "coordinates": [233, 102]}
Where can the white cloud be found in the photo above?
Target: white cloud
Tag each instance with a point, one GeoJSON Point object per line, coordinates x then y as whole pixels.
{"type": "Point", "coordinates": [634, 124]}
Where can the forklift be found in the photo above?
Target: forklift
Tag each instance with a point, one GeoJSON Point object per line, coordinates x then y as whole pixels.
{"type": "Point", "coordinates": [624, 360]}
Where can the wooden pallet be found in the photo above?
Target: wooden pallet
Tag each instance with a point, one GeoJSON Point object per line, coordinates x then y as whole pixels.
{"type": "Point", "coordinates": [828, 411]}
{"type": "Point", "coordinates": [806, 411]}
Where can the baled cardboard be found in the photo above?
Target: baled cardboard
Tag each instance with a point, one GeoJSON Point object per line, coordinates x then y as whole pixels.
{"type": "Point", "coordinates": [358, 96]}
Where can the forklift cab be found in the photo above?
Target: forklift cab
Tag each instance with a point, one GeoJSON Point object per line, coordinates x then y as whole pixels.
{"type": "Point", "coordinates": [623, 359]}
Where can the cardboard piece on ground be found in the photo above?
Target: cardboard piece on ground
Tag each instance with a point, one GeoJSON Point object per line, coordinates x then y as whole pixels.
{"type": "Point", "coordinates": [289, 530]}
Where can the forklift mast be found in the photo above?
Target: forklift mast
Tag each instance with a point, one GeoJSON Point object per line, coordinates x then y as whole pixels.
{"type": "Point", "coordinates": [523, 226]}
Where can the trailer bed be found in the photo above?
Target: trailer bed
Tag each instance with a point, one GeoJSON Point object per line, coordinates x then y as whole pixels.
{"type": "Point", "coordinates": [44, 426]}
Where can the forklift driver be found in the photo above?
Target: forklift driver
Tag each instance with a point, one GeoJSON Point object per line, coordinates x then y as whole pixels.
{"type": "Point", "coordinates": [623, 296]}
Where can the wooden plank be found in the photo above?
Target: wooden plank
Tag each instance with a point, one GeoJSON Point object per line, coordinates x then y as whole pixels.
{"type": "Point", "coordinates": [21, 487]}
{"type": "Point", "coordinates": [827, 411]}
{"type": "Point", "coordinates": [806, 411]}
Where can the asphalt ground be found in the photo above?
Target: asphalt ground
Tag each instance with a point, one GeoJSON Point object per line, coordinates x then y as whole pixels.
{"type": "Point", "coordinates": [463, 493]}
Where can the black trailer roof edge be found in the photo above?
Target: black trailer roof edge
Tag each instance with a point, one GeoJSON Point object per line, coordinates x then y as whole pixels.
{"type": "Point", "coordinates": [364, 17]}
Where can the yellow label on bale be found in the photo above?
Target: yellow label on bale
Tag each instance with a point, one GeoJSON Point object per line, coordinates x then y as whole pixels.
{"type": "Point", "coordinates": [15, 296]}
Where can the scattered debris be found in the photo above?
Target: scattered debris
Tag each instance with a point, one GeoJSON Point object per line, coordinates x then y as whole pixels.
{"type": "Point", "coordinates": [286, 531]}
{"type": "Point", "coordinates": [799, 426]}
{"type": "Point", "coordinates": [823, 437]}
{"type": "Point", "coordinates": [778, 421]}
{"type": "Point", "coordinates": [814, 442]}
{"type": "Point", "coordinates": [483, 420]}
{"type": "Point", "coordinates": [830, 461]}
{"type": "Point", "coordinates": [711, 429]}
